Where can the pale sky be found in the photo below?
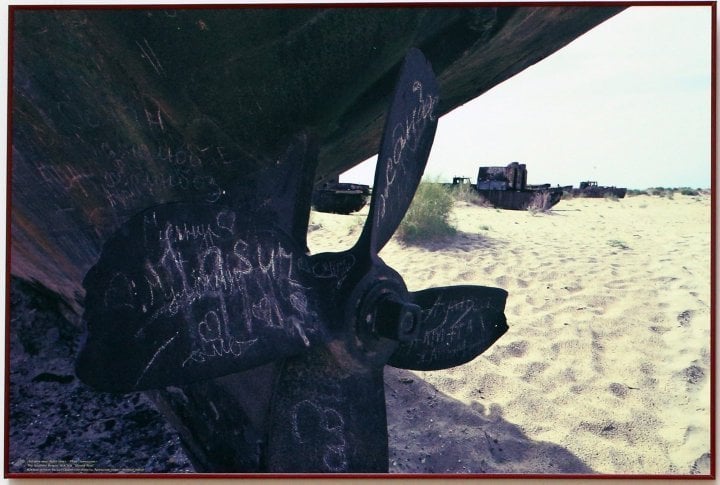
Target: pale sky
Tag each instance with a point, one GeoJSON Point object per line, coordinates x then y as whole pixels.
{"type": "Point", "coordinates": [626, 104]}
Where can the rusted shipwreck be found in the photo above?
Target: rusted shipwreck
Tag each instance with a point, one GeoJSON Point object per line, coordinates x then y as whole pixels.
{"type": "Point", "coordinates": [507, 188]}
{"type": "Point", "coordinates": [340, 198]}
{"type": "Point", "coordinates": [591, 188]}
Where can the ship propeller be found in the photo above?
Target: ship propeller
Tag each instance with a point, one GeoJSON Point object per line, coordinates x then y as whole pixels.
{"type": "Point", "coordinates": [189, 292]}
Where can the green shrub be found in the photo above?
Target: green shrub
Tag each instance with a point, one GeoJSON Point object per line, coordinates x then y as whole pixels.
{"type": "Point", "coordinates": [466, 193]}
{"type": "Point", "coordinates": [688, 191]}
{"type": "Point", "coordinates": [428, 217]}
{"type": "Point", "coordinates": [540, 202]}
{"type": "Point", "coordinates": [661, 192]}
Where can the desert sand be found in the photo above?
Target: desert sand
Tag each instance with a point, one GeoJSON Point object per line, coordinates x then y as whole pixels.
{"type": "Point", "coordinates": [606, 365]}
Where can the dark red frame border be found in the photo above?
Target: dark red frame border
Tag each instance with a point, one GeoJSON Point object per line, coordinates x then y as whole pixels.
{"type": "Point", "coordinates": [713, 241]}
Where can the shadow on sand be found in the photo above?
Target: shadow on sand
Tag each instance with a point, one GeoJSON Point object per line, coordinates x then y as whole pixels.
{"type": "Point", "coordinates": [430, 432]}
{"type": "Point", "coordinates": [54, 417]}
{"type": "Point", "coordinates": [461, 241]}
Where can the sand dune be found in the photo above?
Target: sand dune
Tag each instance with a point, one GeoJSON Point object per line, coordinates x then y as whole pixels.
{"type": "Point", "coordinates": [606, 366]}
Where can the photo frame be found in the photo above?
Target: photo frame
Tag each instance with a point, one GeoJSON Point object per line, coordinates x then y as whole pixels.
{"type": "Point", "coordinates": [147, 137]}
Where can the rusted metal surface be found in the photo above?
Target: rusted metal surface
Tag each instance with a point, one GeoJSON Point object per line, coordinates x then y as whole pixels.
{"type": "Point", "coordinates": [511, 177]}
{"type": "Point", "coordinates": [116, 110]}
{"type": "Point", "coordinates": [529, 199]}
{"type": "Point", "coordinates": [593, 190]}
{"type": "Point", "coordinates": [506, 188]}
{"type": "Point", "coordinates": [340, 198]}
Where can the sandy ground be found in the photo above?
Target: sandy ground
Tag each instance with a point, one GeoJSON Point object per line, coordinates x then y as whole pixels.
{"type": "Point", "coordinates": [606, 366]}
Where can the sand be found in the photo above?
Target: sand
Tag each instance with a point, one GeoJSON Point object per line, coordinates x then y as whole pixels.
{"type": "Point", "coordinates": [606, 366]}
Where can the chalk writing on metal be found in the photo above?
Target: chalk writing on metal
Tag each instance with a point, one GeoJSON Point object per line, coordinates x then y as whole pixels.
{"type": "Point", "coordinates": [225, 288]}
{"type": "Point", "coordinates": [309, 420]}
{"type": "Point", "coordinates": [337, 268]}
{"type": "Point", "coordinates": [406, 135]}
{"type": "Point", "coordinates": [149, 55]}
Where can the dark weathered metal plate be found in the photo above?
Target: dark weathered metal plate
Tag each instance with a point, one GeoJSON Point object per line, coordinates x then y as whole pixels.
{"type": "Point", "coordinates": [185, 292]}
{"type": "Point", "coordinates": [407, 138]}
{"type": "Point", "coordinates": [458, 324]}
{"type": "Point", "coordinates": [328, 415]}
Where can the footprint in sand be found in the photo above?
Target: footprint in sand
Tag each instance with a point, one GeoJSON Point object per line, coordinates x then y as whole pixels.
{"type": "Point", "coordinates": [515, 349]}
{"type": "Point", "coordinates": [685, 317]}
{"type": "Point", "coordinates": [573, 287]}
{"type": "Point", "coordinates": [467, 276]}
{"type": "Point", "coordinates": [693, 374]}
{"type": "Point", "coordinates": [502, 281]}
{"type": "Point", "coordinates": [534, 369]}
{"type": "Point", "coordinates": [619, 390]}
{"type": "Point", "coordinates": [521, 283]}
{"type": "Point", "coordinates": [616, 284]}
{"type": "Point", "coordinates": [490, 268]}
{"type": "Point", "coordinates": [516, 309]}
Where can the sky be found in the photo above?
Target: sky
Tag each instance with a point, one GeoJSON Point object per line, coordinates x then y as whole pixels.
{"type": "Point", "coordinates": [627, 104]}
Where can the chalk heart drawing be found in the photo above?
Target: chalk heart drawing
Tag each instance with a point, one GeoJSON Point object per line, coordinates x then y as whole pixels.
{"type": "Point", "coordinates": [308, 418]}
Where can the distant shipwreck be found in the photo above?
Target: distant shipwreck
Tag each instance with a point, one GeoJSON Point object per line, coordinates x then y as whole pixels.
{"type": "Point", "coordinates": [340, 198]}
{"type": "Point", "coordinates": [592, 189]}
{"type": "Point", "coordinates": [507, 188]}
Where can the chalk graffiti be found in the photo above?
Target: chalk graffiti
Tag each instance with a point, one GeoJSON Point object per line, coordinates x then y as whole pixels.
{"type": "Point", "coordinates": [455, 325]}
{"type": "Point", "coordinates": [67, 176]}
{"type": "Point", "coordinates": [224, 288]}
{"type": "Point", "coordinates": [405, 136]}
{"type": "Point", "coordinates": [149, 55]}
{"type": "Point", "coordinates": [337, 268]}
{"type": "Point", "coordinates": [215, 340]}
{"type": "Point", "coordinates": [310, 420]}
{"type": "Point", "coordinates": [154, 357]}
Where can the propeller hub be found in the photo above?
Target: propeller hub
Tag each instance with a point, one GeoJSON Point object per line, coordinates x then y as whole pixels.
{"type": "Point", "coordinates": [397, 320]}
{"type": "Point", "coordinates": [383, 310]}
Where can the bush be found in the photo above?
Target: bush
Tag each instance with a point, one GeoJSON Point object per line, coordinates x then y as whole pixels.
{"type": "Point", "coordinates": [540, 203]}
{"type": "Point", "coordinates": [466, 193]}
{"type": "Point", "coordinates": [611, 196]}
{"type": "Point", "coordinates": [661, 192]}
{"type": "Point", "coordinates": [689, 191]}
{"type": "Point", "coordinates": [428, 217]}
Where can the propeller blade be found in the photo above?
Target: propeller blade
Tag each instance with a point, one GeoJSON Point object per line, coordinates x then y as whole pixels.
{"type": "Point", "coordinates": [406, 141]}
{"type": "Point", "coordinates": [328, 415]}
{"type": "Point", "coordinates": [291, 194]}
{"type": "Point", "coordinates": [458, 323]}
{"type": "Point", "coordinates": [184, 292]}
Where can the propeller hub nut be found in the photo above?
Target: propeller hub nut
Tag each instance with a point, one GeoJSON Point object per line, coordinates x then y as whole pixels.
{"type": "Point", "coordinates": [397, 320]}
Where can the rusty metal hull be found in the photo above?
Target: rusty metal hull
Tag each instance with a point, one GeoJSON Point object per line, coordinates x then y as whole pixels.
{"type": "Point", "coordinates": [115, 110]}
{"type": "Point", "coordinates": [340, 198]}
{"type": "Point", "coordinates": [600, 192]}
{"type": "Point", "coordinates": [521, 199]}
